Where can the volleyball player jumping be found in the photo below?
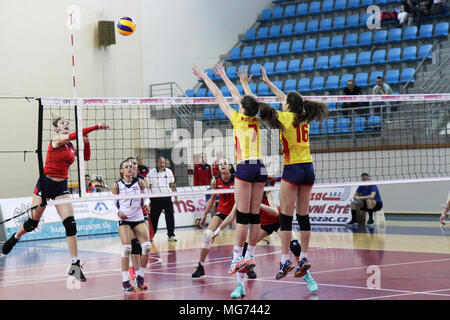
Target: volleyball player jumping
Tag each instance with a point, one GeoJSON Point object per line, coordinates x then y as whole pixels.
{"type": "Point", "coordinates": [225, 180]}
{"type": "Point", "coordinates": [131, 224]}
{"type": "Point", "coordinates": [60, 155]}
{"type": "Point", "coordinates": [251, 173]}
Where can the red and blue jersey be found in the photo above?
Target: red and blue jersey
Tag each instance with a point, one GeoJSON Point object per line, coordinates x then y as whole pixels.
{"type": "Point", "coordinates": [58, 160]}
{"type": "Point", "coordinates": [226, 201]}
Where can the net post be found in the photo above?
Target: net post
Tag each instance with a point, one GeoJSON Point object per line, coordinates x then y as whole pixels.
{"type": "Point", "coordinates": [80, 147]}
{"type": "Point", "coordinates": [39, 151]}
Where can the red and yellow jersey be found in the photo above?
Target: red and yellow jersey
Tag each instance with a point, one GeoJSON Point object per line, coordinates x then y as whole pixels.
{"type": "Point", "coordinates": [295, 140]}
{"type": "Point", "coordinates": [58, 160]}
{"type": "Point", "coordinates": [267, 218]}
{"type": "Point", "coordinates": [226, 201]}
{"type": "Point", "coordinates": [246, 131]}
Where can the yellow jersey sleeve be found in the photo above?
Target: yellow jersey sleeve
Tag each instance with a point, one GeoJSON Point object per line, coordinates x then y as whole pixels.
{"type": "Point", "coordinates": [246, 131]}
{"type": "Point", "coordinates": [295, 140]}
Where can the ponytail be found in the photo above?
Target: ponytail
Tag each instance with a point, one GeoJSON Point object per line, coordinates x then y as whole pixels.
{"type": "Point", "coordinates": [270, 116]}
{"type": "Point", "coordinates": [306, 110]}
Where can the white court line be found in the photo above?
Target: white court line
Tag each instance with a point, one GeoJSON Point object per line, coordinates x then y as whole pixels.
{"type": "Point", "coordinates": [408, 294]}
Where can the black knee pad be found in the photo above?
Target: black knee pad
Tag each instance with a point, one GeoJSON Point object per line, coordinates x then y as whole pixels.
{"type": "Point", "coordinates": [285, 222]}
{"type": "Point", "coordinates": [30, 225]}
{"type": "Point", "coordinates": [295, 247]}
{"type": "Point", "coordinates": [303, 222]}
{"type": "Point", "coordinates": [71, 226]}
{"type": "Point", "coordinates": [136, 247]}
{"type": "Point", "coordinates": [242, 218]}
{"type": "Point", "coordinates": [254, 218]}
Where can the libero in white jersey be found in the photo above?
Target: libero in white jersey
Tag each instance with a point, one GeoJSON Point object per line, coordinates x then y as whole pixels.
{"type": "Point", "coordinates": [132, 208]}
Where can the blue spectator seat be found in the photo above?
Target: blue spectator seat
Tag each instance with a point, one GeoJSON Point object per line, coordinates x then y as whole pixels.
{"type": "Point", "coordinates": [252, 86]}
{"type": "Point", "coordinates": [294, 66]}
{"type": "Point", "coordinates": [220, 114]}
{"type": "Point", "coordinates": [250, 34]}
{"type": "Point", "coordinates": [423, 50]}
{"type": "Point", "coordinates": [441, 29]}
{"type": "Point", "coordinates": [302, 9]}
{"type": "Point", "coordinates": [359, 124]}
{"type": "Point", "coordinates": [340, 5]}
{"type": "Point", "coordinates": [274, 31]}
{"type": "Point", "coordinates": [260, 50]}
{"type": "Point", "coordinates": [317, 83]}
{"type": "Point", "coordinates": [263, 89]}
{"type": "Point", "coordinates": [364, 58]}
{"type": "Point", "coordinates": [287, 29]}
{"type": "Point", "coordinates": [339, 23]}
{"type": "Point", "coordinates": [284, 48]}
{"type": "Point", "coordinates": [333, 82]}
{"type": "Point", "coordinates": [304, 85]}
{"type": "Point", "coordinates": [395, 35]}
{"type": "Point", "coordinates": [247, 52]}
{"type": "Point", "coordinates": [350, 60]}
{"type": "Point", "coordinates": [225, 91]}
{"type": "Point", "coordinates": [281, 67]}
{"type": "Point", "coordinates": [235, 53]}
{"type": "Point", "coordinates": [353, 21]}
{"type": "Point", "coordinates": [324, 43]}
{"type": "Point", "coordinates": [310, 44]}
{"type": "Point", "coordinates": [312, 26]}
{"type": "Point", "coordinates": [314, 127]}
{"type": "Point", "coordinates": [300, 28]}
{"type": "Point", "coordinates": [289, 11]}
{"type": "Point", "coordinates": [366, 3]}
{"type": "Point", "coordinates": [327, 5]}
{"type": "Point", "coordinates": [374, 123]}
{"type": "Point", "coordinates": [208, 114]}
{"type": "Point", "coordinates": [373, 76]}
{"type": "Point", "coordinates": [406, 74]}
{"type": "Point", "coordinates": [353, 4]}
{"type": "Point", "coordinates": [322, 63]}
{"type": "Point", "coordinates": [332, 105]}
{"type": "Point", "coordinates": [426, 31]}
{"type": "Point", "coordinates": [343, 125]}
{"type": "Point", "coordinates": [266, 15]}
{"type": "Point", "coordinates": [337, 41]}
{"type": "Point", "coordinates": [384, 1]}
{"type": "Point", "coordinates": [190, 93]}
{"type": "Point", "coordinates": [394, 55]}
{"type": "Point", "coordinates": [231, 72]}
{"type": "Point", "coordinates": [314, 7]}
{"type": "Point", "coordinates": [272, 49]}
{"type": "Point", "coordinates": [364, 19]}
{"type": "Point", "coordinates": [269, 66]}
{"type": "Point", "coordinates": [277, 13]}
{"type": "Point", "coordinates": [329, 126]}
{"type": "Point", "coordinates": [351, 40]}
{"type": "Point", "coordinates": [297, 46]}
{"type": "Point", "coordinates": [325, 24]}
{"type": "Point", "coordinates": [262, 33]}
{"type": "Point", "coordinates": [362, 79]}
{"type": "Point", "coordinates": [410, 33]}
{"type": "Point", "coordinates": [410, 53]}
{"type": "Point", "coordinates": [210, 94]}
{"type": "Point", "coordinates": [344, 79]}
{"type": "Point", "coordinates": [380, 37]}
{"type": "Point", "coordinates": [308, 64]}
{"type": "Point", "coordinates": [240, 89]}
{"type": "Point", "coordinates": [201, 92]}
{"type": "Point", "coordinates": [290, 85]}
{"type": "Point", "coordinates": [335, 61]}
{"type": "Point", "coordinates": [278, 84]}
{"type": "Point", "coordinates": [392, 76]}
{"type": "Point", "coordinates": [365, 39]}
{"type": "Point", "coordinates": [379, 56]}
{"type": "Point", "coordinates": [255, 69]}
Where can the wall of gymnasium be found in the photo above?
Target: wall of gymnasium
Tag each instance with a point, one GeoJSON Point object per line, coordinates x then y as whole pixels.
{"type": "Point", "coordinates": [35, 61]}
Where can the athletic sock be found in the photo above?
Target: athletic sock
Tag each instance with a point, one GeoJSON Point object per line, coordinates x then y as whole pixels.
{"type": "Point", "coordinates": [237, 252]}
{"type": "Point", "coordinates": [303, 255]}
{"type": "Point", "coordinates": [124, 276]}
{"type": "Point", "coordinates": [74, 259]}
{"type": "Point", "coordinates": [251, 251]}
{"type": "Point", "coordinates": [284, 258]}
{"type": "Point", "coordinates": [240, 278]}
{"type": "Point", "coordinates": [141, 272]}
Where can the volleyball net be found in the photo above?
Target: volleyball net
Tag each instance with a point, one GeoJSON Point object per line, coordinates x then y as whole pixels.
{"type": "Point", "coordinates": [395, 138]}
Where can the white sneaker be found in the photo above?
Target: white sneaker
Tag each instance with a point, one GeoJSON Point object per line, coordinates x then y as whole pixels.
{"type": "Point", "coordinates": [172, 239]}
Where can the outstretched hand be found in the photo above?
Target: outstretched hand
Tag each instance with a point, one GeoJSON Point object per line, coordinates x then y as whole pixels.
{"type": "Point", "coordinates": [219, 70]}
{"type": "Point", "coordinates": [242, 74]}
{"type": "Point", "coordinates": [264, 77]}
{"type": "Point", "coordinates": [103, 126]}
{"type": "Point", "coordinates": [199, 73]}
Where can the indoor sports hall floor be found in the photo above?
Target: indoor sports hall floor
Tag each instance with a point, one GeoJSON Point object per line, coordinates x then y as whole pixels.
{"type": "Point", "coordinates": [411, 256]}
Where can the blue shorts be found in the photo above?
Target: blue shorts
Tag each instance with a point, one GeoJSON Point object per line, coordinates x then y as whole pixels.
{"type": "Point", "coordinates": [52, 188]}
{"type": "Point", "coordinates": [252, 171]}
{"type": "Point", "coordinates": [299, 174]}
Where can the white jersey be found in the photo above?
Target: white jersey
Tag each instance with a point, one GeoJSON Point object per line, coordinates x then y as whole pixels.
{"type": "Point", "coordinates": [130, 207]}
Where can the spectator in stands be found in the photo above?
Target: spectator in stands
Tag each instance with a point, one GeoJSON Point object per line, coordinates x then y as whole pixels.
{"type": "Point", "coordinates": [162, 181]}
{"type": "Point", "coordinates": [142, 169]}
{"type": "Point", "coordinates": [404, 15]}
{"type": "Point", "coordinates": [352, 90]}
{"type": "Point", "coordinates": [420, 8]}
{"type": "Point", "coordinates": [90, 188]}
{"type": "Point", "coordinates": [381, 88]}
{"type": "Point", "coordinates": [445, 210]}
{"type": "Point", "coordinates": [367, 198]}
{"type": "Point", "coordinates": [438, 7]}
{"type": "Point", "coordinates": [202, 173]}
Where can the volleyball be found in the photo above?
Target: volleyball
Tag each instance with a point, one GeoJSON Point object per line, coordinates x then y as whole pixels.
{"type": "Point", "coordinates": [126, 26]}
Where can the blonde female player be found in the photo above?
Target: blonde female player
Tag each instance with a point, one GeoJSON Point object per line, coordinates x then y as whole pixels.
{"type": "Point", "coordinates": [225, 180]}
{"type": "Point", "coordinates": [60, 155]}
{"type": "Point", "coordinates": [131, 223]}
{"type": "Point", "coordinates": [251, 173]}
{"type": "Point", "coordinates": [298, 172]}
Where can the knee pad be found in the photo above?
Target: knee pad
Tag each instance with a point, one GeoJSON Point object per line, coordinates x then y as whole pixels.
{"type": "Point", "coordinates": [285, 222]}
{"type": "Point", "coordinates": [30, 225]}
{"type": "Point", "coordinates": [242, 218]}
{"type": "Point", "coordinates": [254, 218]}
{"type": "Point", "coordinates": [136, 247]}
{"type": "Point", "coordinates": [207, 240]}
{"type": "Point", "coordinates": [146, 247]}
{"type": "Point", "coordinates": [303, 222]}
{"type": "Point", "coordinates": [126, 250]}
{"type": "Point", "coordinates": [71, 226]}
{"type": "Point", "coordinates": [295, 247]}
